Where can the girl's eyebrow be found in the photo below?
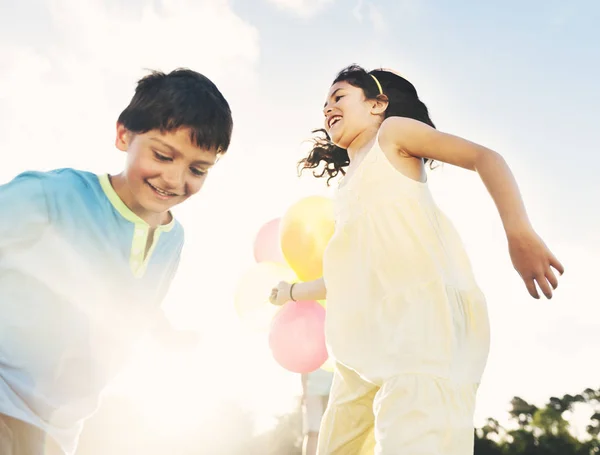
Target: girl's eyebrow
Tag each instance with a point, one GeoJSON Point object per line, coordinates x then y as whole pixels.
{"type": "Point", "coordinates": [332, 95]}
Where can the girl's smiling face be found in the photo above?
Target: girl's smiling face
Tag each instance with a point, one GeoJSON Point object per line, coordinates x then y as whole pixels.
{"type": "Point", "coordinates": [348, 113]}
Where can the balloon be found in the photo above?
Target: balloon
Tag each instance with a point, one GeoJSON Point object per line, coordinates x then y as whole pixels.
{"type": "Point", "coordinates": [253, 290]}
{"type": "Point", "coordinates": [266, 244]}
{"type": "Point", "coordinates": [305, 231]}
{"type": "Point", "coordinates": [297, 336]}
{"type": "Point", "coordinates": [323, 303]}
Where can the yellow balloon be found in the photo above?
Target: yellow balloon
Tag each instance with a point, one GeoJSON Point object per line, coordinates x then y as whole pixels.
{"type": "Point", "coordinates": [323, 303]}
{"type": "Point", "coordinates": [253, 290]}
{"type": "Point", "coordinates": [305, 231]}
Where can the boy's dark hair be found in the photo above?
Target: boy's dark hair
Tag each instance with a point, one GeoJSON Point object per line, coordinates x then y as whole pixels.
{"type": "Point", "coordinates": [403, 102]}
{"type": "Point", "coordinates": [182, 98]}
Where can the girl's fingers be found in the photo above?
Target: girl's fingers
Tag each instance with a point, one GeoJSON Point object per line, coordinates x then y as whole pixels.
{"type": "Point", "coordinates": [273, 296]}
{"type": "Point", "coordinates": [551, 277]}
{"type": "Point", "coordinates": [556, 264]}
{"type": "Point", "coordinates": [530, 284]}
{"type": "Point", "coordinates": [544, 286]}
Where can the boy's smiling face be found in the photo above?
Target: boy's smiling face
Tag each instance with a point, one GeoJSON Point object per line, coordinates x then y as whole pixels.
{"type": "Point", "coordinates": [162, 170]}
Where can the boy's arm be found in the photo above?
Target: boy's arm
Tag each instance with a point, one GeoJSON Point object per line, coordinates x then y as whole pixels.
{"type": "Point", "coordinates": [23, 209]}
{"type": "Point", "coordinates": [163, 331]}
{"type": "Point", "coordinates": [171, 337]}
{"type": "Point", "coordinates": [162, 327]}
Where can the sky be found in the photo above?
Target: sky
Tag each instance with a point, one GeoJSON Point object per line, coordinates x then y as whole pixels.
{"type": "Point", "coordinates": [517, 77]}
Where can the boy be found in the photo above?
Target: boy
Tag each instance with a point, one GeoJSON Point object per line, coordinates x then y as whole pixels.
{"type": "Point", "coordinates": [85, 260]}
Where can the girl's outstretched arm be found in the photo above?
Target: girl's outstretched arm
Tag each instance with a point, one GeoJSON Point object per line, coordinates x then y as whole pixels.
{"type": "Point", "coordinates": [309, 290]}
{"type": "Point", "coordinates": [530, 256]}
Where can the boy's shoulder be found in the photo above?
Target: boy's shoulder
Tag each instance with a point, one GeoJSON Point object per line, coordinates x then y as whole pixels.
{"type": "Point", "coordinates": [50, 183]}
{"type": "Point", "coordinates": [66, 188]}
{"type": "Point", "coordinates": [66, 177]}
{"type": "Point", "coordinates": [58, 178]}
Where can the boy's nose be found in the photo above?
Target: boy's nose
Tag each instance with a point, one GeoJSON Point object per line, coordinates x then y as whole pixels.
{"type": "Point", "coordinates": [174, 177]}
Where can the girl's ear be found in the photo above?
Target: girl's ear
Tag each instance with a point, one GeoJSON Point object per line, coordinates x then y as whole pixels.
{"type": "Point", "coordinates": [379, 105]}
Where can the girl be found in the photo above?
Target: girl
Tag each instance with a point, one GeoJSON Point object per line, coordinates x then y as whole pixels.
{"type": "Point", "coordinates": [406, 322]}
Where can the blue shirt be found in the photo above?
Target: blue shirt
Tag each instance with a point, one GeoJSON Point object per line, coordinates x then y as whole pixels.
{"type": "Point", "coordinates": [76, 291]}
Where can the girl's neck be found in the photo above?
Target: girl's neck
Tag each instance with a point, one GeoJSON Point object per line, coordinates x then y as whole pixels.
{"type": "Point", "coordinates": [363, 140]}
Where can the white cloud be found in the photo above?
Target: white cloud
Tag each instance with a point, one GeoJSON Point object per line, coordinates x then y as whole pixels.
{"type": "Point", "coordinates": [304, 8]}
{"type": "Point", "coordinates": [374, 15]}
{"type": "Point", "coordinates": [376, 18]}
{"type": "Point", "coordinates": [357, 11]}
{"type": "Point", "coordinates": [62, 97]}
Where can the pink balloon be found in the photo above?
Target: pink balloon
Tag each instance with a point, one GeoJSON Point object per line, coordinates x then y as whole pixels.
{"type": "Point", "coordinates": [297, 336]}
{"type": "Point", "coordinates": [266, 244]}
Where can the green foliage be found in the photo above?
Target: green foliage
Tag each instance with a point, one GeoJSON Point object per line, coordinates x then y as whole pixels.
{"type": "Point", "coordinates": [542, 431]}
{"type": "Point", "coordinates": [119, 429]}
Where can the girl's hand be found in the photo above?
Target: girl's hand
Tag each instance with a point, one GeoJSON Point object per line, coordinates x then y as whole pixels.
{"type": "Point", "coordinates": [534, 262]}
{"type": "Point", "coordinates": [280, 294]}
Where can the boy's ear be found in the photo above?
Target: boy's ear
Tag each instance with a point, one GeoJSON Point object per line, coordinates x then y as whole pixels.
{"type": "Point", "coordinates": [123, 138]}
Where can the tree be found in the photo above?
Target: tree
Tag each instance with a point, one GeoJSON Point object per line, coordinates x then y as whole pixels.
{"type": "Point", "coordinates": [522, 411]}
{"type": "Point", "coordinates": [542, 431]}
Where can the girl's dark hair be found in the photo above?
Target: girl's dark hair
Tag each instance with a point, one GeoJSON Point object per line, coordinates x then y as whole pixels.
{"type": "Point", "coordinates": [403, 102]}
